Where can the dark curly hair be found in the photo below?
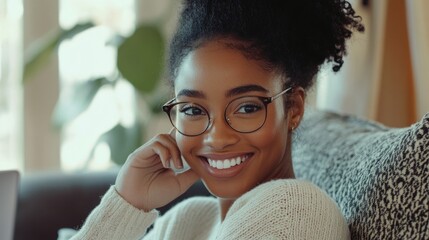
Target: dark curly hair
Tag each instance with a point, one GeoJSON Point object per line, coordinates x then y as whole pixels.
{"type": "Point", "coordinates": [294, 37]}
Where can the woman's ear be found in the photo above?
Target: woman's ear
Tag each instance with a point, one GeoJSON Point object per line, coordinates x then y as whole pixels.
{"type": "Point", "coordinates": [296, 100]}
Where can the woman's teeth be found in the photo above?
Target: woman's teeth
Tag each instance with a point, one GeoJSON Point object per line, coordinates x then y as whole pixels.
{"type": "Point", "coordinates": [227, 163]}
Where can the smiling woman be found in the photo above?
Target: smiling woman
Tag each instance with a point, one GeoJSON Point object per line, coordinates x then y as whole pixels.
{"type": "Point", "coordinates": [240, 70]}
{"type": "Point", "coordinates": [260, 138]}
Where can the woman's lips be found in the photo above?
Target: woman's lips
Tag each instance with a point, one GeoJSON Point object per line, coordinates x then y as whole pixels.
{"type": "Point", "coordinates": [225, 166]}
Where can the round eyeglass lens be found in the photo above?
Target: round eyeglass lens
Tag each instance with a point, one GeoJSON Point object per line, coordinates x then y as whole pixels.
{"type": "Point", "coordinates": [189, 118]}
{"type": "Point", "coordinates": [246, 114]}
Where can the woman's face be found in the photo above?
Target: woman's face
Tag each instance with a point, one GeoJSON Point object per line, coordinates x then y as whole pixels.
{"type": "Point", "coordinates": [207, 77]}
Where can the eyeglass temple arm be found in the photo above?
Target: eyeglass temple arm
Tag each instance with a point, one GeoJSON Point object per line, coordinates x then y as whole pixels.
{"type": "Point", "coordinates": [281, 93]}
{"type": "Point", "coordinates": [166, 106]}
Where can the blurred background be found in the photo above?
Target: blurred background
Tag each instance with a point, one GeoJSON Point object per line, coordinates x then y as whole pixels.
{"type": "Point", "coordinates": [81, 81]}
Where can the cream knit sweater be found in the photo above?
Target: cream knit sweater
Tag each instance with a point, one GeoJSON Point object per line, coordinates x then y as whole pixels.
{"type": "Point", "coordinates": [280, 209]}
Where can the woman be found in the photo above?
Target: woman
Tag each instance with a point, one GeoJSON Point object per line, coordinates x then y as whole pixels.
{"type": "Point", "coordinates": [240, 70]}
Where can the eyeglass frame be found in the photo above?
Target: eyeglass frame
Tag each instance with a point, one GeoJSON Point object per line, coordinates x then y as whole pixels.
{"type": "Point", "coordinates": [265, 100]}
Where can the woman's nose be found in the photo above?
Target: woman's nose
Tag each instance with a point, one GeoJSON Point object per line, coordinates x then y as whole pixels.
{"type": "Point", "coordinates": [220, 135]}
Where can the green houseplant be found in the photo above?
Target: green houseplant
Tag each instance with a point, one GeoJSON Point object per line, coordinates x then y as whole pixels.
{"type": "Point", "coordinates": [139, 61]}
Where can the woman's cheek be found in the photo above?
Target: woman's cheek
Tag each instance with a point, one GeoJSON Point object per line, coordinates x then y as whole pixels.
{"type": "Point", "coordinates": [265, 138]}
{"type": "Point", "coordinates": [186, 145]}
{"type": "Point", "coordinates": [273, 132]}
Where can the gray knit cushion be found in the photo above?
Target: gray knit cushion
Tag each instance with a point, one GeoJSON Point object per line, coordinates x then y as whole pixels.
{"type": "Point", "coordinates": [379, 176]}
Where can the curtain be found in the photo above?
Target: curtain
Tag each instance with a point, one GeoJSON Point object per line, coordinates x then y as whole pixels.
{"type": "Point", "coordinates": [418, 29]}
{"type": "Point", "coordinates": [382, 79]}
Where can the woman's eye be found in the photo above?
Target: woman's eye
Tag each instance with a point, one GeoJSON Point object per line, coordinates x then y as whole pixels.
{"type": "Point", "coordinates": [248, 108]}
{"type": "Point", "coordinates": [192, 111]}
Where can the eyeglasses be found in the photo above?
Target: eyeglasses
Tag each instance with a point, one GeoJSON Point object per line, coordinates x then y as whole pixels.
{"type": "Point", "coordinates": [244, 114]}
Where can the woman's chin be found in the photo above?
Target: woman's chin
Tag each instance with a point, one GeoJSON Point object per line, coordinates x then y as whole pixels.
{"type": "Point", "coordinates": [226, 192]}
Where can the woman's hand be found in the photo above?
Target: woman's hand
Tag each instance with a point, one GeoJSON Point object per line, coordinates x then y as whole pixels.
{"type": "Point", "coordinates": [146, 180]}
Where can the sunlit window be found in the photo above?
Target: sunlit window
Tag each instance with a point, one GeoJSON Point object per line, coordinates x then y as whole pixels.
{"type": "Point", "coordinates": [88, 56]}
{"type": "Point", "coordinates": [10, 84]}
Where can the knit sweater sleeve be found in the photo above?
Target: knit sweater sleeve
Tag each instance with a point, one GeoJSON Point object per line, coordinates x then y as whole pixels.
{"type": "Point", "coordinates": [284, 209]}
{"type": "Point", "coordinates": [115, 219]}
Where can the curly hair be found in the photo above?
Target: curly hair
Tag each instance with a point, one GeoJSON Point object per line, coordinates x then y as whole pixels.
{"type": "Point", "coordinates": [294, 37]}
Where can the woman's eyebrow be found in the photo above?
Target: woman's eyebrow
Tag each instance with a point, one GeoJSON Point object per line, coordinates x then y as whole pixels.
{"type": "Point", "coordinates": [191, 93]}
{"type": "Point", "coordinates": [245, 89]}
{"type": "Point", "coordinates": [232, 92]}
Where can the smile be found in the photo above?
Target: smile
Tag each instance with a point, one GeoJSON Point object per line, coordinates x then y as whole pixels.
{"type": "Point", "coordinates": [225, 166]}
{"type": "Point", "coordinates": [227, 163]}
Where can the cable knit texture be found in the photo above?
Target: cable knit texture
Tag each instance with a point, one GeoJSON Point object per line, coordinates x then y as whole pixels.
{"type": "Point", "coordinates": [379, 176]}
{"type": "Point", "coordinates": [280, 209]}
{"type": "Point", "coordinates": [284, 209]}
{"type": "Point", "coordinates": [115, 218]}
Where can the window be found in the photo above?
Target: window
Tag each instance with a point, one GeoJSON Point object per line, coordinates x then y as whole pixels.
{"type": "Point", "coordinates": [10, 84]}
{"type": "Point", "coordinates": [87, 56]}
{"type": "Point", "coordinates": [28, 139]}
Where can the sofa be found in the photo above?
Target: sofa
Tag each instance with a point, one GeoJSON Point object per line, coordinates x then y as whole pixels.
{"type": "Point", "coordinates": [49, 201]}
{"type": "Point", "coordinates": [377, 175]}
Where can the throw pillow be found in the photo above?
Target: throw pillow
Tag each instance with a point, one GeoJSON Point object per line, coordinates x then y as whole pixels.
{"type": "Point", "coordinates": [379, 176]}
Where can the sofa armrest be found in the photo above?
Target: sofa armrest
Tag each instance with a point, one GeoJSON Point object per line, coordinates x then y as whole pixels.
{"type": "Point", "coordinates": [52, 200]}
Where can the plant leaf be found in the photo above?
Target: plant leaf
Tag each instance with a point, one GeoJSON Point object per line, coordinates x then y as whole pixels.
{"type": "Point", "coordinates": [76, 29]}
{"type": "Point", "coordinates": [73, 101]}
{"type": "Point", "coordinates": [122, 141]}
{"type": "Point", "coordinates": [39, 53]}
{"type": "Point", "coordinates": [42, 49]}
{"type": "Point", "coordinates": [140, 58]}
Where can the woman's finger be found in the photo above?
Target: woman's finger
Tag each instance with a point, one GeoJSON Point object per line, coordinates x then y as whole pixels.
{"type": "Point", "coordinates": [177, 159]}
{"type": "Point", "coordinates": [186, 179]}
{"type": "Point", "coordinates": [160, 148]}
{"type": "Point", "coordinates": [172, 156]}
{"type": "Point", "coordinates": [172, 133]}
{"type": "Point", "coordinates": [163, 152]}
